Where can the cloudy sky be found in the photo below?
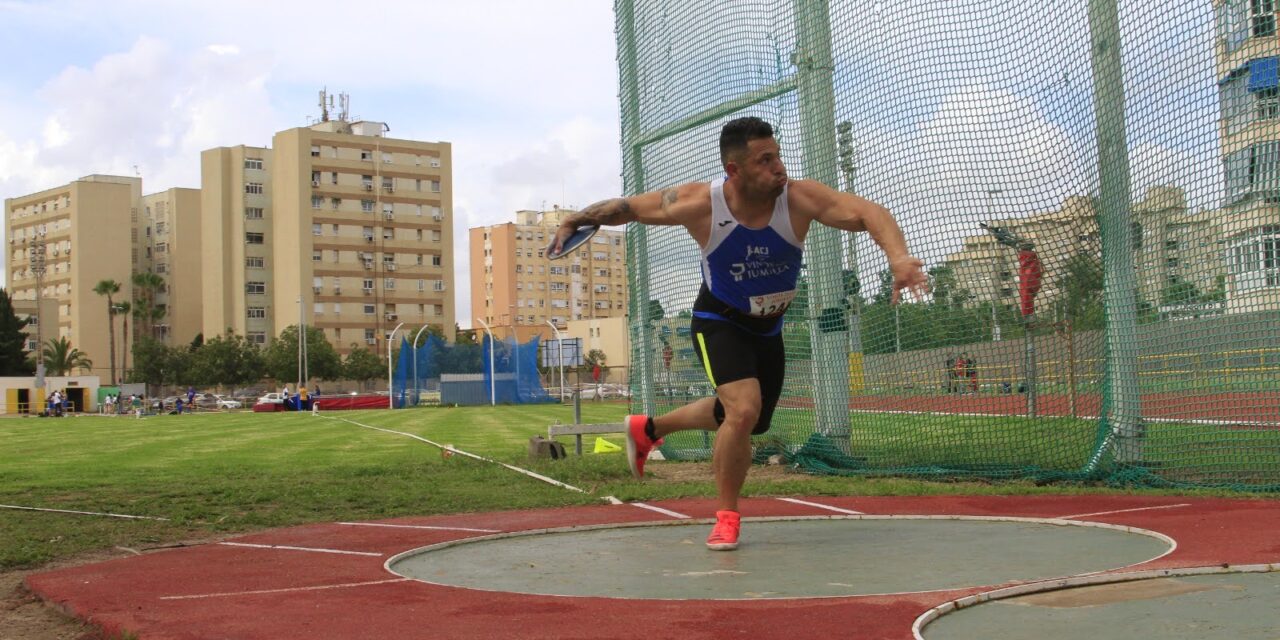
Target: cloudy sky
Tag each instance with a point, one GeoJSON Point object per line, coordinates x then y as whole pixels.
{"type": "Point", "coordinates": [526, 91]}
{"type": "Point", "coordinates": [945, 105]}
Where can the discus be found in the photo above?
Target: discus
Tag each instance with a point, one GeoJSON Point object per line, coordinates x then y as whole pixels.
{"type": "Point", "coordinates": [579, 238]}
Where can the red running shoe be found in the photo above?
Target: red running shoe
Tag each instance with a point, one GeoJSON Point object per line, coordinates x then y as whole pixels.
{"type": "Point", "coordinates": [724, 537]}
{"type": "Point", "coordinates": [638, 444]}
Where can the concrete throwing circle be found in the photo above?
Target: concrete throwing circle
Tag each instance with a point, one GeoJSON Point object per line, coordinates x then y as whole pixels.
{"type": "Point", "coordinates": [780, 558]}
{"type": "Point", "coordinates": [1240, 606]}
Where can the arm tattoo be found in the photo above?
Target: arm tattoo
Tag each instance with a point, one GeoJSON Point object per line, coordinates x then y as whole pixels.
{"type": "Point", "coordinates": [669, 196]}
{"type": "Point", "coordinates": [606, 212]}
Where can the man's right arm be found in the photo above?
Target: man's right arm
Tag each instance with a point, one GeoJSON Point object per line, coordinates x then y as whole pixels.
{"type": "Point", "coordinates": [671, 206]}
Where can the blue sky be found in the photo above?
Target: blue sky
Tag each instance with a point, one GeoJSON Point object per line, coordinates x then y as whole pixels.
{"type": "Point", "coordinates": [525, 91]}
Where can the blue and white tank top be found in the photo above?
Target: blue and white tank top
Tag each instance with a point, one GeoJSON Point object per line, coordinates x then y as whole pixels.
{"type": "Point", "coordinates": [752, 273]}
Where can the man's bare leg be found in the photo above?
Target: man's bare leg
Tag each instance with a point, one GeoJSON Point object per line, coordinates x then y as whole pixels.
{"type": "Point", "coordinates": [731, 457]}
{"type": "Point", "coordinates": [699, 414]}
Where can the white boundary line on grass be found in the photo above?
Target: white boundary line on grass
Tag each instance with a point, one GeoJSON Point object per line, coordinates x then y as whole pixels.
{"type": "Point", "coordinates": [450, 448]}
{"type": "Point", "coordinates": [82, 513]}
{"type": "Point", "coordinates": [1209, 423]}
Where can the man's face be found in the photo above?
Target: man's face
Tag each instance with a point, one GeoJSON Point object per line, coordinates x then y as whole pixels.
{"type": "Point", "coordinates": [760, 170]}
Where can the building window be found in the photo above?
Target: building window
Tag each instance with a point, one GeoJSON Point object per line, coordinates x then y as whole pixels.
{"type": "Point", "coordinates": [255, 287]}
{"type": "Point", "coordinates": [317, 202]}
{"type": "Point", "coordinates": [253, 213]}
{"type": "Point", "coordinates": [368, 284]}
{"type": "Point", "coordinates": [386, 158]}
{"type": "Point", "coordinates": [317, 229]}
{"type": "Point", "coordinates": [256, 337]}
{"type": "Point", "coordinates": [257, 313]}
{"type": "Point", "coordinates": [253, 163]}
{"type": "Point", "coordinates": [251, 237]}
{"type": "Point", "coordinates": [435, 162]}
{"type": "Point", "coordinates": [366, 154]}
{"type": "Point", "coordinates": [435, 186]}
{"type": "Point", "coordinates": [366, 206]}
{"type": "Point", "coordinates": [368, 309]}
{"type": "Point", "coordinates": [388, 283]}
{"type": "Point", "coordinates": [1254, 259]}
{"type": "Point", "coordinates": [315, 151]}
{"type": "Point", "coordinates": [255, 262]}
{"type": "Point", "coordinates": [422, 285]}
{"type": "Point", "coordinates": [253, 187]}
{"type": "Point", "coordinates": [435, 260]}
{"type": "Point", "coordinates": [317, 255]}
{"type": "Point", "coordinates": [336, 203]}
{"type": "Point", "coordinates": [1254, 169]}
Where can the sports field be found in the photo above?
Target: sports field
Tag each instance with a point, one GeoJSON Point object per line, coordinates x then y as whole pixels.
{"type": "Point", "coordinates": [212, 475]}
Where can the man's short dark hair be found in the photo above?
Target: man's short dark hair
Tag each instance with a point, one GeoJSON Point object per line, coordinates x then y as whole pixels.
{"type": "Point", "coordinates": [738, 132]}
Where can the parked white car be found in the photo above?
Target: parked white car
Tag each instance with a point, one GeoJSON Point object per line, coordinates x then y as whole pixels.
{"type": "Point", "coordinates": [271, 398]}
{"type": "Point", "coordinates": [223, 402]}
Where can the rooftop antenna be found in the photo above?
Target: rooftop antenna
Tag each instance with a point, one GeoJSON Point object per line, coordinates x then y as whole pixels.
{"type": "Point", "coordinates": [344, 107]}
{"type": "Point", "coordinates": [325, 101]}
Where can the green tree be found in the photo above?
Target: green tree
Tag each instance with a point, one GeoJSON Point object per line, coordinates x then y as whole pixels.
{"type": "Point", "coordinates": [156, 363]}
{"type": "Point", "coordinates": [60, 358]}
{"type": "Point", "coordinates": [363, 365]}
{"type": "Point", "coordinates": [1180, 292]}
{"type": "Point", "coordinates": [1081, 292]}
{"type": "Point", "coordinates": [13, 341]}
{"type": "Point", "coordinates": [226, 360]}
{"type": "Point", "coordinates": [110, 288]}
{"type": "Point", "coordinates": [465, 336]}
{"type": "Point", "coordinates": [281, 357]}
{"type": "Point", "coordinates": [146, 285]}
{"type": "Point", "coordinates": [655, 311]}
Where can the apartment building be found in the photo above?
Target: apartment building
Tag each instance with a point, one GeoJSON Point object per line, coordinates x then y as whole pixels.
{"type": "Point", "coordinates": [170, 248]}
{"type": "Point", "coordinates": [514, 285]}
{"type": "Point", "coordinates": [1172, 245]}
{"type": "Point", "coordinates": [335, 224]}
{"type": "Point", "coordinates": [1247, 55]}
{"type": "Point", "coordinates": [82, 232]}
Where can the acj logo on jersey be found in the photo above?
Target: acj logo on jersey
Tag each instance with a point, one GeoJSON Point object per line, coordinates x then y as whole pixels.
{"type": "Point", "coordinates": [756, 265]}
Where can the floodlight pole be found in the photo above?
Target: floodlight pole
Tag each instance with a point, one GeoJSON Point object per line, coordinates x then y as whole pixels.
{"type": "Point", "coordinates": [493, 377]}
{"type": "Point", "coordinates": [391, 396]}
{"type": "Point", "coordinates": [417, 391]}
{"type": "Point", "coordinates": [560, 349]}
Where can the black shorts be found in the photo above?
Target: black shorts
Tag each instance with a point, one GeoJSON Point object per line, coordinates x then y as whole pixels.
{"type": "Point", "coordinates": [729, 353]}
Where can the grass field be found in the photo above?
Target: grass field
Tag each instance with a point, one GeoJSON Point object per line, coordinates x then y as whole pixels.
{"type": "Point", "coordinates": [213, 475]}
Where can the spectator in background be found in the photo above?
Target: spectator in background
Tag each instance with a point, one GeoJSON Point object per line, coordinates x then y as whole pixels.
{"type": "Point", "coordinates": [191, 397]}
{"type": "Point", "coordinates": [950, 373]}
{"type": "Point", "coordinates": [136, 403]}
{"type": "Point", "coordinates": [959, 371]}
{"type": "Point", "coordinates": [971, 372]}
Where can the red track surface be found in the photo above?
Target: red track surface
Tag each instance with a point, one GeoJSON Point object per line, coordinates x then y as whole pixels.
{"type": "Point", "coordinates": [219, 591]}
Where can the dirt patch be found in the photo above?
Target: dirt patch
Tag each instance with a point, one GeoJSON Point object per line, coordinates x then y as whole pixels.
{"type": "Point", "coordinates": [701, 472]}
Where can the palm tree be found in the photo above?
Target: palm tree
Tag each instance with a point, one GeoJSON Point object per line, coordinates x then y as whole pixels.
{"type": "Point", "coordinates": [60, 357]}
{"type": "Point", "coordinates": [123, 309]}
{"type": "Point", "coordinates": [109, 288]}
{"type": "Point", "coordinates": [146, 285]}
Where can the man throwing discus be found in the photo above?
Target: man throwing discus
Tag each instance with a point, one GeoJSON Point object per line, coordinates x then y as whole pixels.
{"type": "Point", "coordinates": [751, 227]}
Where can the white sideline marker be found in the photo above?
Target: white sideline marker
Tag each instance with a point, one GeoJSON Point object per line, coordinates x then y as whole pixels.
{"type": "Point", "coordinates": [417, 526]}
{"type": "Point", "coordinates": [665, 512]}
{"type": "Point", "coordinates": [286, 590]}
{"type": "Point", "coordinates": [828, 507]}
{"type": "Point", "coordinates": [289, 548]}
{"type": "Point", "coordinates": [1106, 513]}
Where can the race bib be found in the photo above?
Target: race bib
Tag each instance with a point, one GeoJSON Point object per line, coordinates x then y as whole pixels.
{"type": "Point", "coordinates": [771, 304]}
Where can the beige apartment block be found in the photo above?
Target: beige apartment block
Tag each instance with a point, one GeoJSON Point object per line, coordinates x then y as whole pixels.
{"type": "Point", "coordinates": [1246, 51]}
{"type": "Point", "coordinates": [609, 336]}
{"type": "Point", "coordinates": [171, 249]}
{"type": "Point", "coordinates": [514, 286]}
{"type": "Point", "coordinates": [1174, 245]}
{"type": "Point", "coordinates": [88, 231]}
{"type": "Point", "coordinates": [335, 224]}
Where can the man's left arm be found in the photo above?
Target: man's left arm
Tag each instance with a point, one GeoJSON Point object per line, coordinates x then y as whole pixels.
{"type": "Point", "coordinates": [849, 212]}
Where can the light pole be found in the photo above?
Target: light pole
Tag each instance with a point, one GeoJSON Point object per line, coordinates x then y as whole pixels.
{"type": "Point", "coordinates": [995, 269]}
{"type": "Point", "coordinates": [391, 397]}
{"type": "Point", "coordinates": [493, 389]}
{"type": "Point", "coordinates": [417, 390]}
{"type": "Point", "coordinates": [560, 356]}
{"type": "Point", "coordinates": [36, 260]}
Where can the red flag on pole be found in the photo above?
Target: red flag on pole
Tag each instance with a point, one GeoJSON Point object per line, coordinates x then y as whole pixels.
{"type": "Point", "coordinates": [1030, 271]}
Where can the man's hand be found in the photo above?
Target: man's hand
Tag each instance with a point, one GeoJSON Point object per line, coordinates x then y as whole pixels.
{"type": "Point", "coordinates": [908, 274]}
{"type": "Point", "coordinates": [562, 233]}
